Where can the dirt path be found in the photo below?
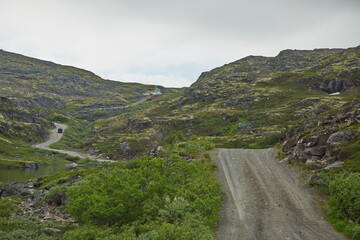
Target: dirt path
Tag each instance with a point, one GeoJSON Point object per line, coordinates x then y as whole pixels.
{"type": "Point", "coordinates": [54, 136]}
{"type": "Point", "coordinates": [265, 201]}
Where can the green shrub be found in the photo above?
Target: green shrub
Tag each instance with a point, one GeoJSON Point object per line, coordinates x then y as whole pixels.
{"type": "Point", "coordinates": [56, 195]}
{"type": "Point", "coordinates": [57, 118]}
{"type": "Point", "coordinates": [146, 196]}
{"type": "Point", "coordinates": [187, 148]}
{"type": "Point", "coordinates": [88, 232]}
{"type": "Point", "coordinates": [345, 195]}
{"type": "Point", "coordinates": [268, 141]}
{"type": "Point", "coordinates": [174, 138]}
{"type": "Point", "coordinates": [7, 207]}
{"type": "Point", "coordinates": [280, 155]}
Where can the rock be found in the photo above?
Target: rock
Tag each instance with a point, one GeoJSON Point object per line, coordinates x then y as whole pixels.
{"type": "Point", "coordinates": [288, 144]}
{"type": "Point", "coordinates": [245, 125]}
{"type": "Point", "coordinates": [72, 164]}
{"type": "Point", "coordinates": [335, 165]}
{"type": "Point", "coordinates": [31, 165]}
{"type": "Point", "coordinates": [313, 178]}
{"type": "Point", "coordinates": [285, 160]}
{"type": "Point", "coordinates": [48, 216]}
{"type": "Point", "coordinates": [337, 138]}
{"type": "Point", "coordinates": [316, 151]}
{"type": "Point", "coordinates": [51, 231]}
{"type": "Point", "coordinates": [333, 86]}
{"type": "Point", "coordinates": [10, 189]}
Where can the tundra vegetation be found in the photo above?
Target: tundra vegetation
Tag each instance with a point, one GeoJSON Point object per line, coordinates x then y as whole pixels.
{"type": "Point", "coordinates": [146, 198]}
{"type": "Point", "coordinates": [304, 102]}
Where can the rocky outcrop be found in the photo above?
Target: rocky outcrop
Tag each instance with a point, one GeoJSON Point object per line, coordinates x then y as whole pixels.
{"type": "Point", "coordinates": [320, 148]}
{"type": "Point", "coordinates": [334, 86]}
{"type": "Point", "coordinates": [16, 188]}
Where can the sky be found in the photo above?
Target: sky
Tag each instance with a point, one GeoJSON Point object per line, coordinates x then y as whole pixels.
{"type": "Point", "coordinates": [170, 42]}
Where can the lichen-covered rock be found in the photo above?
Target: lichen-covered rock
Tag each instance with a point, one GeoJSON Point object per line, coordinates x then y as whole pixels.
{"type": "Point", "coordinates": [340, 137]}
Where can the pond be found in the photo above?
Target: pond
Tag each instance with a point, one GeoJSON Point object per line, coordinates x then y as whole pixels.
{"type": "Point", "coordinates": [24, 174]}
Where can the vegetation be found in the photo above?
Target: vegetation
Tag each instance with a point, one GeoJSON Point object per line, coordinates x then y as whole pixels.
{"type": "Point", "coordinates": [156, 196]}
{"type": "Point", "coordinates": [17, 152]}
{"type": "Point", "coordinates": [74, 137]}
{"type": "Point", "coordinates": [343, 206]}
{"type": "Point", "coordinates": [7, 206]}
{"type": "Point", "coordinates": [249, 103]}
{"type": "Point", "coordinates": [187, 148]}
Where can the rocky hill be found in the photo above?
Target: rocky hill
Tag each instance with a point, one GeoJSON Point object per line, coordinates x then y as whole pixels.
{"type": "Point", "coordinates": [32, 89]}
{"type": "Point", "coordinates": [253, 102]}
{"type": "Point", "coordinates": [42, 84]}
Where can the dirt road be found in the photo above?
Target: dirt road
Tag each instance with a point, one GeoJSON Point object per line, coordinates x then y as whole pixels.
{"type": "Point", "coordinates": [265, 201]}
{"type": "Point", "coordinates": [54, 136]}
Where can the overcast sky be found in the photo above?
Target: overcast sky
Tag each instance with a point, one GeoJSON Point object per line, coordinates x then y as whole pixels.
{"type": "Point", "coordinates": [170, 42]}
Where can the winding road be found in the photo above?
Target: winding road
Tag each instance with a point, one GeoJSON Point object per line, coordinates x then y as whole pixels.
{"type": "Point", "coordinates": [54, 136]}
{"type": "Point", "coordinates": [265, 201]}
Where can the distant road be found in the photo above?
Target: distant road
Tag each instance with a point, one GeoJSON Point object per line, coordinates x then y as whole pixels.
{"type": "Point", "coordinates": [265, 201]}
{"type": "Point", "coordinates": [54, 136]}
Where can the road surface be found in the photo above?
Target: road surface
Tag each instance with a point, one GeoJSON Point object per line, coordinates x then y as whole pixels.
{"type": "Point", "coordinates": [54, 136]}
{"type": "Point", "coordinates": [265, 201]}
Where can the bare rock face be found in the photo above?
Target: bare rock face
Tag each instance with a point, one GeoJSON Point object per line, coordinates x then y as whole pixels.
{"type": "Point", "coordinates": [334, 86]}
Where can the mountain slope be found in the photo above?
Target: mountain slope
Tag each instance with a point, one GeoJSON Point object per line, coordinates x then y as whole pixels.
{"type": "Point", "coordinates": [248, 103]}
{"type": "Point", "coordinates": [38, 83]}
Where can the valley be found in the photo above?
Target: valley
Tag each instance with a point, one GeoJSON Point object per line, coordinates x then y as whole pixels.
{"type": "Point", "coordinates": [251, 122]}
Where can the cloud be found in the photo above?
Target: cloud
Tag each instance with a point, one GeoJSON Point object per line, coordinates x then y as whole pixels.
{"type": "Point", "coordinates": [171, 42]}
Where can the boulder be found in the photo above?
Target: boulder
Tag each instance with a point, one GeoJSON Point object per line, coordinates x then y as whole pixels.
{"type": "Point", "coordinates": [335, 165]}
{"type": "Point", "coordinates": [316, 151]}
{"type": "Point", "coordinates": [10, 189]}
{"type": "Point", "coordinates": [337, 138]}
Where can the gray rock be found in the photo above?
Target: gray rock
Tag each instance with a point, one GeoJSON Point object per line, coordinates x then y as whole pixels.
{"type": "Point", "coordinates": [316, 151]}
{"type": "Point", "coordinates": [10, 189]}
{"type": "Point", "coordinates": [245, 125]}
{"type": "Point", "coordinates": [51, 231]}
{"type": "Point", "coordinates": [334, 86]}
{"type": "Point", "coordinates": [285, 160]}
{"type": "Point", "coordinates": [335, 165]}
{"type": "Point", "coordinates": [31, 165]}
{"type": "Point", "coordinates": [313, 178]}
{"type": "Point", "coordinates": [340, 137]}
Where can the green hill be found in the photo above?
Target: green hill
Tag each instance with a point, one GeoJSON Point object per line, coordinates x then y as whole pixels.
{"type": "Point", "coordinates": [251, 102]}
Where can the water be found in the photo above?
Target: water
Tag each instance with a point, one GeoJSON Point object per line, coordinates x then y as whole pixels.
{"type": "Point", "coordinates": [24, 174]}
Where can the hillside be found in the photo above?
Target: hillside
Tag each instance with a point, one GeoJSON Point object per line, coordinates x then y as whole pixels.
{"type": "Point", "coordinates": [305, 103]}
{"type": "Point", "coordinates": [41, 84]}
{"type": "Point", "coordinates": [34, 93]}
{"type": "Point", "coordinates": [42, 87]}
{"type": "Point", "coordinates": [251, 102]}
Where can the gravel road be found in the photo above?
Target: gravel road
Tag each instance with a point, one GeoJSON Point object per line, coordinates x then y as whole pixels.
{"type": "Point", "coordinates": [54, 136]}
{"type": "Point", "coordinates": [265, 201]}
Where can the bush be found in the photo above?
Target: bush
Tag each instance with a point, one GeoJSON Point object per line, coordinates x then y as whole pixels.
{"type": "Point", "coordinates": [7, 207]}
{"type": "Point", "coordinates": [280, 155]}
{"type": "Point", "coordinates": [57, 195]}
{"type": "Point", "coordinates": [147, 196]}
{"type": "Point", "coordinates": [187, 148]}
{"type": "Point", "coordinates": [345, 195]}
{"type": "Point", "coordinates": [88, 232]}
{"type": "Point", "coordinates": [268, 141]}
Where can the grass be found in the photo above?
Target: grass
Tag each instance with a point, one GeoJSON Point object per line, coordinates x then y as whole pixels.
{"type": "Point", "coordinates": [74, 137]}
{"type": "Point", "coordinates": [57, 179]}
{"type": "Point", "coordinates": [17, 152]}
